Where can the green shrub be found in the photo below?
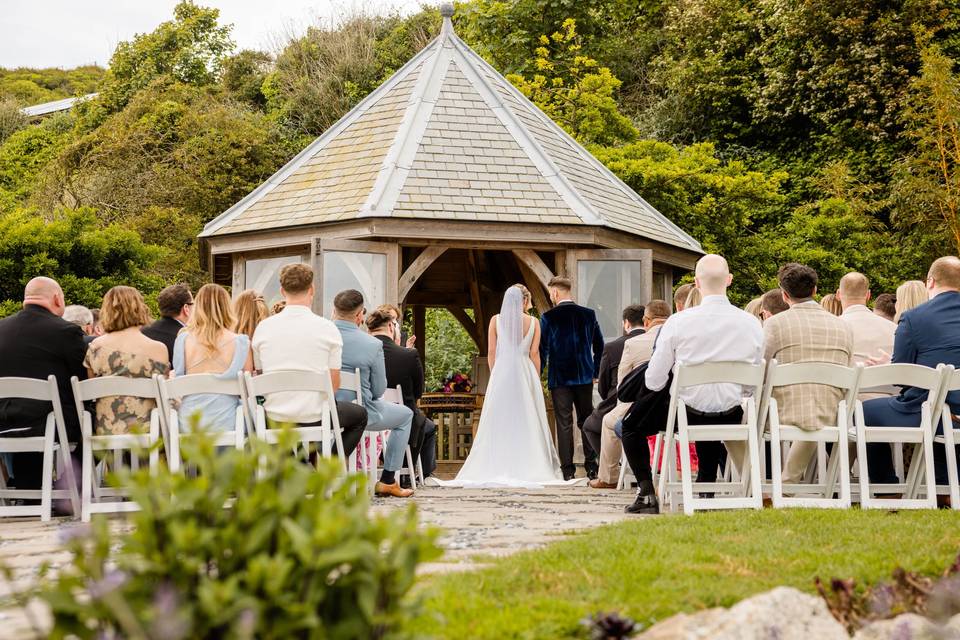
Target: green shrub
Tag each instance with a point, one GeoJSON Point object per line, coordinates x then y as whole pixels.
{"type": "Point", "coordinates": [295, 554]}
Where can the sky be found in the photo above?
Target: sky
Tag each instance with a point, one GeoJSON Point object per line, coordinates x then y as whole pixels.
{"type": "Point", "coordinates": [70, 33]}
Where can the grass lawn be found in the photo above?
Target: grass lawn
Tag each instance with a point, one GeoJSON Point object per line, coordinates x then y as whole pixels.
{"type": "Point", "coordinates": [652, 568]}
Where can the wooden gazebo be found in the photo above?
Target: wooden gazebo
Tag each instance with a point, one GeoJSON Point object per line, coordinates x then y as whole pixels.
{"type": "Point", "coordinates": [440, 189]}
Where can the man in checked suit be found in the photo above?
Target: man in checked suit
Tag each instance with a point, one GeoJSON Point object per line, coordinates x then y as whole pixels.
{"type": "Point", "coordinates": [805, 332]}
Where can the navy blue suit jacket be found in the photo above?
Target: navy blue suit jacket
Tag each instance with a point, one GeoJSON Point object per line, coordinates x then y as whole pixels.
{"type": "Point", "coordinates": [928, 335]}
{"type": "Point", "coordinates": [570, 340]}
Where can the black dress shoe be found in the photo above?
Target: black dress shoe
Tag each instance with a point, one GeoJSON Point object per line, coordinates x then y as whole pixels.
{"type": "Point", "coordinates": [568, 476]}
{"type": "Point", "coordinates": [646, 503]}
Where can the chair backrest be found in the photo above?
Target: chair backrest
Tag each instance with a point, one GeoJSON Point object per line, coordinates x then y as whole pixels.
{"type": "Point", "coordinates": [393, 395]}
{"type": "Point", "coordinates": [834, 375]}
{"type": "Point", "coordinates": [350, 381]}
{"type": "Point", "coordinates": [194, 383]}
{"type": "Point", "coordinates": [35, 389]}
{"type": "Point", "coordinates": [96, 388]}
{"type": "Point", "coordinates": [910, 375]}
{"type": "Point", "coordinates": [278, 381]}
{"type": "Point", "coordinates": [742, 373]}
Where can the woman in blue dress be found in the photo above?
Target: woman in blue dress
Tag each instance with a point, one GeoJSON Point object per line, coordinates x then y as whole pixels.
{"type": "Point", "coordinates": [207, 345]}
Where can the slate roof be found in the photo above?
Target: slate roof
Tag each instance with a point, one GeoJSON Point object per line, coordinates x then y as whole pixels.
{"type": "Point", "coordinates": [447, 137]}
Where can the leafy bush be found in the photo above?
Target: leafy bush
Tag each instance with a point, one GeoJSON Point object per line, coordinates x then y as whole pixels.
{"type": "Point", "coordinates": [223, 554]}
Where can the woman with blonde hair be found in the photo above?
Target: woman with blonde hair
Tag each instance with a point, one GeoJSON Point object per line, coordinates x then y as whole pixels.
{"type": "Point", "coordinates": [249, 310]}
{"type": "Point", "coordinates": [831, 303]}
{"type": "Point", "coordinates": [123, 350]}
{"type": "Point", "coordinates": [754, 307]}
{"type": "Point", "coordinates": [910, 294]}
{"type": "Point", "coordinates": [694, 298]}
{"type": "Point", "coordinates": [207, 345]}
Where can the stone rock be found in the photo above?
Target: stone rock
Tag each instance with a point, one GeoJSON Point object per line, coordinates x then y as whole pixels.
{"type": "Point", "coordinates": [781, 614]}
{"type": "Point", "coordinates": [908, 626]}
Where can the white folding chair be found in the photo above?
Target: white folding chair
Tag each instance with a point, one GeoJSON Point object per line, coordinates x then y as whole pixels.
{"type": "Point", "coordinates": [91, 488]}
{"type": "Point", "coordinates": [174, 390]}
{"type": "Point", "coordinates": [949, 436]}
{"type": "Point", "coordinates": [414, 471]}
{"type": "Point", "coordinates": [829, 471]}
{"type": "Point", "coordinates": [744, 374]}
{"type": "Point", "coordinates": [327, 433]}
{"type": "Point", "coordinates": [47, 444]}
{"type": "Point", "coordinates": [934, 381]}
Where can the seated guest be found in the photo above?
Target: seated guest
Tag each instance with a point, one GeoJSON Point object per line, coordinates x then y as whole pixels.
{"type": "Point", "coordinates": [36, 342]}
{"type": "Point", "coordinates": [364, 352]}
{"type": "Point", "coordinates": [831, 304]}
{"type": "Point", "coordinates": [680, 296]}
{"type": "Point", "coordinates": [97, 329]}
{"type": "Point", "coordinates": [910, 294]}
{"type": "Point", "coordinates": [607, 388]}
{"type": "Point", "coordinates": [175, 303]}
{"type": "Point", "coordinates": [636, 350]}
{"type": "Point", "coordinates": [403, 368]}
{"type": "Point", "coordinates": [772, 303]}
{"type": "Point", "coordinates": [714, 331]}
{"type": "Point", "coordinates": [753, 308]}
{"type": "Point", "coordinates": [249, 310]}
{"type": "Point", "coordinates": [806, 332]}
{"type": "Point", "coordinates": [123, 350]}
{"type": "Point", "coordinates": [207, 345]}
{"type": "Point", "coordinates": [296, 339]}
{"type": "Point", "coordinates": [885, 306]}
{"type": "Point", "coordinates": [694, 298]}
{"type": "Point", "coordinates": [83, 318]}
{"type": "Point", "coordinates": [399, 336]}
{"type": "Point", "coordinates": [871, 333]}
{"type": "Point", "coordinates": [928, 335]}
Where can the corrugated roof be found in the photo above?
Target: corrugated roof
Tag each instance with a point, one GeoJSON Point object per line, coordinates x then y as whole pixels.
{"type": "Point", "coordinates": [447, 137]}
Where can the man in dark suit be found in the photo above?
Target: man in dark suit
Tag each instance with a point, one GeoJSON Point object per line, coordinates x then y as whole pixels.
{"type": "Point", "coordinates": [571, 345]}
{"type": "Point", "coordinates": [607, 380]}
{"type": "Point", "coordinates": [403, 368]}
{"type": "Point", "coordinates": [927, 335]}
{"type": "Point", "coordinates": [176, 303]}
{"type": "Point", "coordinates": [34, 343]}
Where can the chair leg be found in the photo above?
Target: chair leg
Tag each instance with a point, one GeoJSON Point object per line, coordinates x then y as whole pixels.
{"type": "Point", "coordinates": [685, 464]}
{"type": "Point", "coordinates": [657, 451]}
{"type": "Point", "coordinates": [46, 486]}
{"type": "Point", "coordinates": [623, 472]}
{"type": "Point", "coordinates": [87, 472]}
{"type": "Point", "coordinates": [411, 468]}
{"type": "Point", "coordinates": [949, 443]}
{"type": "Point", "coordinates": [776, 464]}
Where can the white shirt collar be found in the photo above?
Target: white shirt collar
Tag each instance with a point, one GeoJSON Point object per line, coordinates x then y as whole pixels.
{"type": "Point", "coordinates": [715, 299]}
{"type": "Point", "coordinates": [856, 308]}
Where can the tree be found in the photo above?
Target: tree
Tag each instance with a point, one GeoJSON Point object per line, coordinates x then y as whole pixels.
{"type": "Point", "coordinates": [12, 119]}
{"type": "Point", "coordinates": [25, 153]}
{"type": "Point", "coordinates": [575, 91]}
{"type": "Point", "coordinates": [927, 187]}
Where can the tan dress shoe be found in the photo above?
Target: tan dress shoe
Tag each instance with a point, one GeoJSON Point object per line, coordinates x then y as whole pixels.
{"type": "Point", "coordinates": [394, 490]}
{"type": "Point", "coordinates": [597, 483]}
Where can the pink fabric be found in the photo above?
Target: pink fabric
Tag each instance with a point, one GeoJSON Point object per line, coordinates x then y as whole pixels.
{"type": "Point", "coordinates": [357, 461]}
{"type": "Point", "coordinates": [694, 462]}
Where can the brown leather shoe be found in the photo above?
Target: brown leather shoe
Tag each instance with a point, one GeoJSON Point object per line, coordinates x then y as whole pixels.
{"type": "Point", "coordinates": [392, 490]}
{"type": "Point", "coordinates": [597, 483]}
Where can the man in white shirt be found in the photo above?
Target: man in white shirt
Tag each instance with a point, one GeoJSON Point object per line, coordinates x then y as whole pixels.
{"type": "Point", "coordinates": [296, 339]}
{"type": "Point", "coordinates": [713, 331]}
{"type": "Point", "coordinates": [871, 332]}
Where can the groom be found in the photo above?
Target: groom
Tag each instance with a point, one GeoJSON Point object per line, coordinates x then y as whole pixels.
{"type": "Point", "coordinates": [571, 341]}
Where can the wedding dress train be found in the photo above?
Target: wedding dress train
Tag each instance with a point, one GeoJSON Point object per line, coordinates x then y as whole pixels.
{"type": "Point", "coordinates": [513, 446]}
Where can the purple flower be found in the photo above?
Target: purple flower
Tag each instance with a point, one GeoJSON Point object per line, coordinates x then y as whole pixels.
{"type": "Point", "coordinates": [111, 581]}
{"type": "Point", "coordinates": [77, 532]}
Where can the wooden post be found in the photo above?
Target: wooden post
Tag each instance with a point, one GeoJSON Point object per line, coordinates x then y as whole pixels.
{"type": "Point", "coordinates": [420, 330]}
{"type": "Point", "coordinates": [480, 318]}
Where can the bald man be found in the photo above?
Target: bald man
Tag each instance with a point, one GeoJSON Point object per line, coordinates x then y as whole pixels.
{"type": "Point", "coordinates": [872, 335]}
{"type": "Point", "coordinates": [927, 335]}
{"type": "Point", "coordinates": [37, 342]}
{"type": "Point", "coordinates": [713, 331]}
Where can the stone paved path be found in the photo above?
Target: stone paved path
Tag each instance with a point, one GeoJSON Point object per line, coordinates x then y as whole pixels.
{"type": "Point", "coordinates": [478, 524]}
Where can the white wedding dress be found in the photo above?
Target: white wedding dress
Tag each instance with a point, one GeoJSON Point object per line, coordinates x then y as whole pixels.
{"type": "Point", "coordinates": [513, 446]}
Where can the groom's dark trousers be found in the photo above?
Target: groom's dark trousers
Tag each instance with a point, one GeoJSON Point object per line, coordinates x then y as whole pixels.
{"type": "Point", "coordinates": [571, 346]}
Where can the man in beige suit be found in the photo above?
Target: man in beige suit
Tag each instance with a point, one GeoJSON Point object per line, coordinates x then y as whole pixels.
{"type": "Point", "coordinates": [872, 334]}
{"type": "Point", "coordinates": [806, 332]}
{"type": "Point", "coordinates": [636, 351]}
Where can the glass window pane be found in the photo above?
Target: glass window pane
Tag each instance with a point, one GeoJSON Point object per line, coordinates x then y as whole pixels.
{"type": "Point", "coordinates": [264, 276]}
{"type": "Point", "coordinates": [365, 272]}
{"type": "Point", "coordinates": [607, 286]}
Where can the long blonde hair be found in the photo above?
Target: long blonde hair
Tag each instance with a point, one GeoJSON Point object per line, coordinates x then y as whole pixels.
{"type": "Point", "coordinates": [211, 315]}
{"type": "Point", "coordinates": [910, 294]}
{"type": "Point", "coordinates": [831, 303]}
{"type": "Point", "coordinates": [249, 309]}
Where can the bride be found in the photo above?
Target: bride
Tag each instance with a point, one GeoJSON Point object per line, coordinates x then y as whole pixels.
{"type": "Point", "coordinates": [513, 446]}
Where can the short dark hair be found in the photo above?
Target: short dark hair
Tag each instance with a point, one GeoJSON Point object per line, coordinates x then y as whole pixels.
{"type": "Point", "coordinates": [798, 280]}
{"type": "Point", "coordinates": [171, 299]}
{"type": "Point", "coordinates": [348, 301]}
{"type": "Point", "coordinates": [378, 318]}
{"type": "Point", "coordinates": [657, 310]}
{"type": "Point", "coordinates": [634, 315]}
{"type": "Point", "coordinates": [772, 302]}
{"type": "Point", "coordinates": [886, 303]}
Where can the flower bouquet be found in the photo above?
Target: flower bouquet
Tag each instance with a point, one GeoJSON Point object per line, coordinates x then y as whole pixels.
{"type": "Point", "coordinates": [456, 383]}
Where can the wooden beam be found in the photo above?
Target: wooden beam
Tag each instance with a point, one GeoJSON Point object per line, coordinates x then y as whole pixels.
{"type": "Point", "coordinates": [420, 330]}
{"type": "Point", "coordinates": [438, 299]}
{"type": "Point", "coordinates": [540, 300]}
{"type": "Point", "coordinates": [467, 322]}
{"type": "Point", "coordinates": [473, 276]}
{"type": "Point", "coordinates": [417, 268]}
{"type": "Point", "coordinates": [530, 259]}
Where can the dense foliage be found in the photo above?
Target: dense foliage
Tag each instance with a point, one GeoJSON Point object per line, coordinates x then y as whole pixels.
{"type": "Point", "coordinates": [255, 544]}
{"type": "Point", "coordinates": [770, 130]}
